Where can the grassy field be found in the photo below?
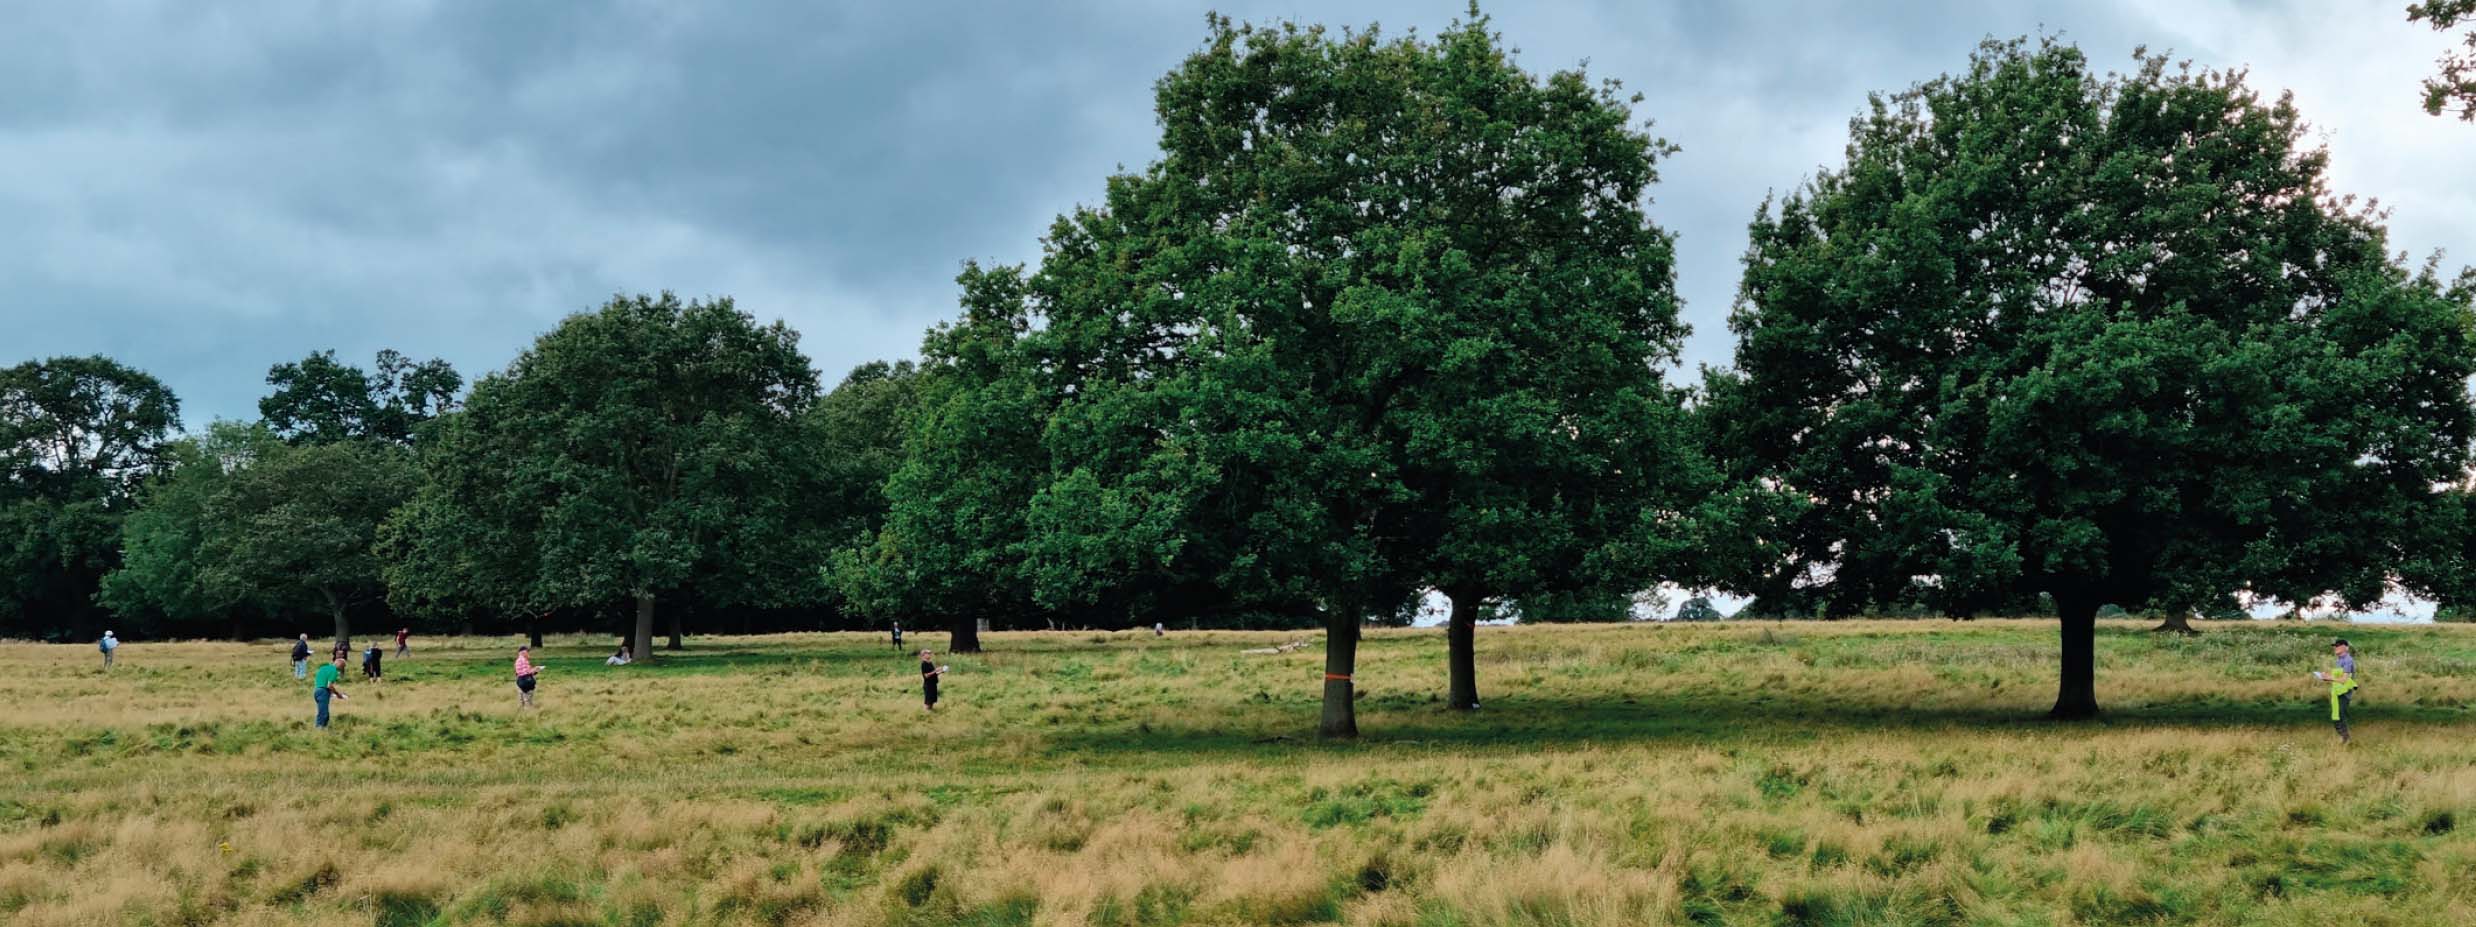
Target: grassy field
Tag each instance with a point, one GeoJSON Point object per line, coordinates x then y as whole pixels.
{"type": "Point", "coordinates": [1857, 773]}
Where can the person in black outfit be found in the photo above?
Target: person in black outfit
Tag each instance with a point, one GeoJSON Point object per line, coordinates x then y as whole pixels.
{"type": "Point", "coordinates": [929, 671]}
{"type": "Point", "coordinates": [369, 663]}
{"type": "Point", "coordinates": [898, 635]}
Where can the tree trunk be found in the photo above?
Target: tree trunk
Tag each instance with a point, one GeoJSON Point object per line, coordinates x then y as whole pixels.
{"type": "Point", "coordinates": [1340, 720]}
{"type": "Point", "coordinates": [343, 622]}
{"type": "Point", "coordinates": [641, 644]}
{"type": "Point", "coordinates": [965, 636]}
{"type": "Point", "coordinates": [533, 633]}
{"type": "Point", "coordinates": [2076, 697]}
{"type": "Point", "coordinates": [2178, 621]}
{"type": "Point", "coordinates": [1461, 644]}
{"type": "Point", "coordinates": [675, 644]}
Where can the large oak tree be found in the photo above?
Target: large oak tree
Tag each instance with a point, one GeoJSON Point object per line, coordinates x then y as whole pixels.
{"type": "Point", "coordinates": [1386, 313]}
{"type": "Point", "coordinates": [2106, 337]}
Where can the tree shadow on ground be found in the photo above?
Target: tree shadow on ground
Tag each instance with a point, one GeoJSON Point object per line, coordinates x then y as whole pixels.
{"type": "Point", "coordinates": [1523, 724]}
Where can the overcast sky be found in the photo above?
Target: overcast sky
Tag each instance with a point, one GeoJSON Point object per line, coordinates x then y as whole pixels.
{"type": "Point", "coordinates": [203, 190]}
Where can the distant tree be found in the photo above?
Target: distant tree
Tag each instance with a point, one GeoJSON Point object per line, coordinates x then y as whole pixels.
{"type": "Point", "coordinates": [444, 554]}
{"type": "Point", "coordinates": [652, 447]}
{"type": "Point", "coordinates": [859, 428]}
{"type": "Point", "coordinates": [1563, 608]}
{"type": "Point", "coordinates": [1698, 608]}
{"type": "Point", "coordinates": [2455, 85]}
{"type": "Point", "coordinates": [295, 527]}
{"type": "Point", "coordinates": [318, 400]}
{"type": "Point", "coordinates": [2108, 338]}
{"type": "Point", "coordinates": [951, 545]}
{"type": "Point", "coordinates": [77, 437]}
{"type": "Point", "coordinates": [160, 583]}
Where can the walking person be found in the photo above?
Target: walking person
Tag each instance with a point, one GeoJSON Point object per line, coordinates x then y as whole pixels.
{"type": "Point", "coordinates": [325, 687]}
{"type": "Point", "coordinates": [109, 645]}
{"type": "Point", "coordinates": [898, 636]}
{"type": "Point", "coordinates": [525, 671]}
{"type": "Point", "coordinates": [929, 671]}
{"type": "Point", "coordinates": [403, 641]}
{"type": "Point", "coordinates": [2342, 680]}
{"type": "Point", "coordinates": [369, 663]}
{"type": "Point", "coordinates": [300, 658]}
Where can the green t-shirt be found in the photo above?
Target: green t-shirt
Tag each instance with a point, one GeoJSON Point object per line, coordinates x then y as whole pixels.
{"type": "Point", "coordinates": [326, 675]}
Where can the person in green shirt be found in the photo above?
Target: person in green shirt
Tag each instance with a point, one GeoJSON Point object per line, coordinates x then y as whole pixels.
{"type": "Point", "coordinates": [326, 687]}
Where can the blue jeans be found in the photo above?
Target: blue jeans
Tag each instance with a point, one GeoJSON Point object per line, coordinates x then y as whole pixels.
{"type": "Point", "coordinates": [300, 669]}
{"type": "Point", "coordinates": [322, 695]}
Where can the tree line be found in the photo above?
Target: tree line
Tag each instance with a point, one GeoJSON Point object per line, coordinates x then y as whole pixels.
{"type": "Point", "coordinates": [1388, 315]}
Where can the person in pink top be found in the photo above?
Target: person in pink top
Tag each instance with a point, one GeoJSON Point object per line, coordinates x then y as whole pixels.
{"type": "Point", "coordinates": [525, 670]}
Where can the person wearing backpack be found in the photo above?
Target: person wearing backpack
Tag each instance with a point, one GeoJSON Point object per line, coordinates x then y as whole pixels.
{"type": "Point", "coordinates": [109, 645]}
{"type": "Point", "coordinates": [2343, 685]}
{"type": "Point", "coordinates": [300, 657]}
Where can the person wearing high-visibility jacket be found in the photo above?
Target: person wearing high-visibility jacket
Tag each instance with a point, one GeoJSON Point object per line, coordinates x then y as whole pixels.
{"type": "Point", "coordinates": [2342, 680]}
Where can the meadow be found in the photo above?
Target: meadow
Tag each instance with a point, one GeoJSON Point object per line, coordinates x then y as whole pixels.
{"type": "Point", "coordinates": [1736, 773]}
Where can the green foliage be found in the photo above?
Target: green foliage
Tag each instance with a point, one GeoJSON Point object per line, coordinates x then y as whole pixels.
{"type": "Point", "coordinates": [78, 435]}
{"type": "Point", "coordinates": [859, 429]}
{"type": "Point", "coordinates": [1406, 332]}
{"type": "Point", "coordinates": [653, 446]}
{"type": "Point", "coordinates": [2109, 338]}
{"type": "Point", "coordinates": [317, 400]}
{"type": "Point", "coordinates": [243, 522]}
{"type": "Point", "coordinates": [2455, 84]}
{"type": "Point", "coordinates": [294, 528]}
{"type": "Point", "coordinates": [163, 542]}
{"type": "Point", "coordinates": [951, 544]}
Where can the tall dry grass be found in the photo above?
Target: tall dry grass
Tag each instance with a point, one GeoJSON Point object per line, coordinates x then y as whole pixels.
{"type": "Point", "coordinates": [1860, 773]}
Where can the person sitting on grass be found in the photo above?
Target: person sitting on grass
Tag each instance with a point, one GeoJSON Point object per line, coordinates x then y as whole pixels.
{"type": "Point", "coordinates": [2342, 680]}
{"type": "Point", "coordinates": [325, 687]}
{"type": "Point", "coordinates": [525, 671]}
{"type": "Point", "coordinates": [929, 671]}
{"type": "Point", "coordinates": [623, 657]}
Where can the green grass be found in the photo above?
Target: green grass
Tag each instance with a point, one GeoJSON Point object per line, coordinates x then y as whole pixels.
{"type": "Point", "coordinates": [1735, 774]}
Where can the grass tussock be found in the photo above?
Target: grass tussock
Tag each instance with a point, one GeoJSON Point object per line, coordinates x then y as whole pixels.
{"type": "Point", "coordinates": [1823, 774]}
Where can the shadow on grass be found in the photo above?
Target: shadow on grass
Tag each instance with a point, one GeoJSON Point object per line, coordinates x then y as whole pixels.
{"type": "Point", "coordinates": [1529, 724]}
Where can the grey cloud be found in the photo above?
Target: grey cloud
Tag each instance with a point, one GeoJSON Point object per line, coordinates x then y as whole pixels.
{"type": "Point", "coordinates": [204, 190]}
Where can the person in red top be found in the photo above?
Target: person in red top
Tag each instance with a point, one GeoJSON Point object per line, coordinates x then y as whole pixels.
{"type": "Point", "coordinates": [403, 639]}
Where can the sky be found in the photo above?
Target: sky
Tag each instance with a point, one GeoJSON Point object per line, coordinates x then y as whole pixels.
{"type": "Point", "coordinates": [203, 190]}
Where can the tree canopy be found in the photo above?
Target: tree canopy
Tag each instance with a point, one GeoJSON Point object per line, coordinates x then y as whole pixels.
{"type": "Point", "coordinates": [78, 435]}
{"type": "Point", "coordinates": [1386, 314]}
{"type": "Point", "coordinates": [2453, 86]}
{"type": "Point", "coordinates": [2105, 337]}
{"type": "Point", "coordinates": [650, 447]}
{"type": "Point", "coordinates": [318, 400]}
